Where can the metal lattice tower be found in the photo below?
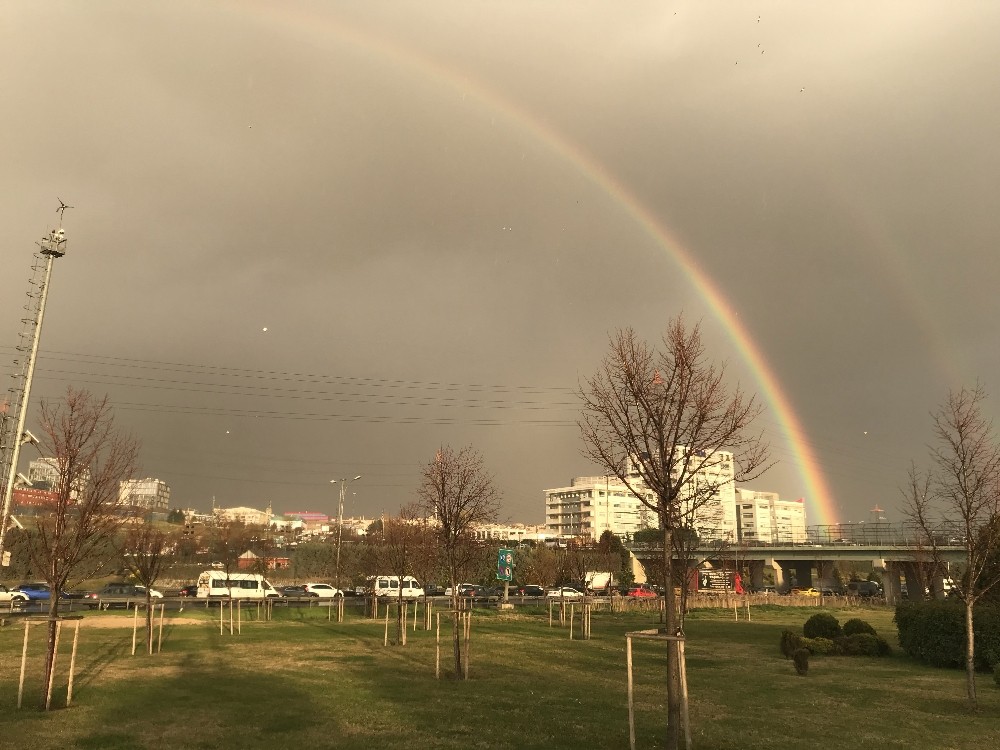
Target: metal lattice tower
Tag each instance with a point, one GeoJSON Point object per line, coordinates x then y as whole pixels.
{"type": "Point", "coordinates": [14, 407]}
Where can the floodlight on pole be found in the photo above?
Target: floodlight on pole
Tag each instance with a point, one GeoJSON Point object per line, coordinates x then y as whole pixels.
{"type": "Point", "coordinates": [51, 246]}
{"type": "Point", "coordinates": [340, 522]}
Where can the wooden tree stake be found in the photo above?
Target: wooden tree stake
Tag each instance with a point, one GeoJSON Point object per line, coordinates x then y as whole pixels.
{"type": "Point", "coordinates": [72, 665]}
{"type": "Point", "coordinates": [52, 676]}
{"type": "Point", "coordinates": [135, 627]}
{"type": "Point", "coordinates": [24, 660]}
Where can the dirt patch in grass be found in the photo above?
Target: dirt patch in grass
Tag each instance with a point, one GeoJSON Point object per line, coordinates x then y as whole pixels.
{"type": "Point", "coordinates": [111, 621]}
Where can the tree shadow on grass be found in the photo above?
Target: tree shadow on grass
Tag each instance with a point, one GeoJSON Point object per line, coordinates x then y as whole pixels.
{"type": "Point", "coordinates": [206, 705]}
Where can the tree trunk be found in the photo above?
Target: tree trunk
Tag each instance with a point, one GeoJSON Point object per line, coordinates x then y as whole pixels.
{"type": "Point", "coordinates": [674, 729]}
{"type": "Point", "coordinates": [970, 653]}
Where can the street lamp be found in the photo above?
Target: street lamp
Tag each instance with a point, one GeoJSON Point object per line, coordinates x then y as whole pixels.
{"type": "Point", "coordinates": [340, 521]}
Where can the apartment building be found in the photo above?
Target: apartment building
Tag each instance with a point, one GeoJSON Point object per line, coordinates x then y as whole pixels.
{"type": "Point", "coordinates": [764, 517]}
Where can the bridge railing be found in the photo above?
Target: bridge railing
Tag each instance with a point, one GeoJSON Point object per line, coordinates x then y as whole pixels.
{"type": "Point", "coordinates": [873, 534]}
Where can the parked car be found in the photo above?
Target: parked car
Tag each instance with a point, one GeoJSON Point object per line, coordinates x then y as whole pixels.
{"type": "Point", "coordinates": [116, 595]}
{"type": "Point", "coordinates": [190, 590]}
{"type": "Point", "coordinates": [7, 596]}
{"type": "Point", "coordinates": [294, 591]}
{"type": "Point", "coordinates": [527, 590]}
{"type": "Point", "coordinates": [641, 591]}
{"type": "Point", "coordinates": [322, 590]}
{"type": "Point", "coordinates": [564, 592]}
{"type": "Point", "coordinates": [805, 592]}
{"type": "Point", "coordinates": [491, 594]}
{"type": "Point", "coordinates": [472, 592]}
{"type": "Point", "coordinates": [462, 587]}
{"type": "Point", "coordinates": [432, 589]}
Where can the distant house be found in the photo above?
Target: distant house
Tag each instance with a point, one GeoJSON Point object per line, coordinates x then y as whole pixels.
{"type": "Point", "coordinates": [250, 560]}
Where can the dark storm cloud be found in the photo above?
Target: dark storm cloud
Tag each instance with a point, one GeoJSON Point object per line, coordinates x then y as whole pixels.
{"type": "Point", "coordinates": [393, 193]}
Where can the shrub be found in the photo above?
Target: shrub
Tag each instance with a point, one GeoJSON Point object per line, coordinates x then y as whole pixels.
{"type": "Point", "coordinates": [860, 644]}
{"type": "Point", "coordinates": [854, 626]}
{"type": "Point", "coordinates": [822, 625]}
{"type": "Point", "coordinates": [790, 642]}
{"type": "Point", "coordinates": [818, 646]}
{"type": "Point", "coordinates": [934, 632]}
{"type": "Point", "coordinates": [801, 659]}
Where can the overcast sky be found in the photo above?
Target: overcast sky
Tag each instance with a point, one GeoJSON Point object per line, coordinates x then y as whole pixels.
{"type": "Point", "coordinates": [315, 240]}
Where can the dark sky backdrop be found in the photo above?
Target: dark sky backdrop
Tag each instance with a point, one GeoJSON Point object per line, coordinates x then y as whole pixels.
{"type": "Point", "coordinates": [418, 202]}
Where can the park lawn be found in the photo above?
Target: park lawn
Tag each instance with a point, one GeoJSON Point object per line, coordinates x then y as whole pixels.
{"type": "Point", "coordinates": [300, 681]}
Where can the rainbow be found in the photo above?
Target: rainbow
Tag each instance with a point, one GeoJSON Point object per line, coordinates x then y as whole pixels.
{"type": "Point", "coordinates": [320, 28]}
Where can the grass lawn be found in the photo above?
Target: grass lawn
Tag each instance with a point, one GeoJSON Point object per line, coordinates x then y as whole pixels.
{"type": "Point", "coordinates": [302, 682]}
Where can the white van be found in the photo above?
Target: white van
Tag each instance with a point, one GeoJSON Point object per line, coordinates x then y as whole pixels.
{"type": "Point", "coordinates": [215, 584]}
{"type": "Point", "coordinates": [390, 586]}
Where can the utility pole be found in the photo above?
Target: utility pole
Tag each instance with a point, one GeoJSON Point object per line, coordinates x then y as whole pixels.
{"type": "Point", "coordinates": [340, 522]}
{"type": "Point", "coordinates": [51, 246]}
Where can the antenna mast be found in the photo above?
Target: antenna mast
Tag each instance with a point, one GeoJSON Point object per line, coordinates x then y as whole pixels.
{"type": "Point", "coordinates": [12, 433]}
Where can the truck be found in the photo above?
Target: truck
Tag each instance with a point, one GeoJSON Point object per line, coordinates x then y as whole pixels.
{"type": "Point", "coordinates": [216, 584]}
{"type": "Point", "coordinates": [600, 580]}
{"type": "Point", "coordinates": [863, 588]}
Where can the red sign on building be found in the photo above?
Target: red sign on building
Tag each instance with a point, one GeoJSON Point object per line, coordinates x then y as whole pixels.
{"type": "Point", "coordinates": [29, 498]}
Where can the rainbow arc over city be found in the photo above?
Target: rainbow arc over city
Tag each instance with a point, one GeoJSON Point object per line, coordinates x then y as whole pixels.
{"type": "Point", "coordinates": [306, 25]}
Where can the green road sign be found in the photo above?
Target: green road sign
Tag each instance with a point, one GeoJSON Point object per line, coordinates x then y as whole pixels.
{"type": "Point", "coordinates": [505, 565]}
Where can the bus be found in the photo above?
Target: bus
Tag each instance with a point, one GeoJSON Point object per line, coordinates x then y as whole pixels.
{"type": "Point", "coordinates": [215, 584]}
{"type": "Point", "coordinates": [390, 586]}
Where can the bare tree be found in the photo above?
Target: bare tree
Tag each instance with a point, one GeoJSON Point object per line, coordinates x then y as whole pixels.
{"type": "Point", "coordinates": [426, 558]}
{"type": "Point", "coordinates": [74, 538]}
{"type": "Point", "coordinates": [458, 493]}
{"type": "Point", "coordinates": [664, 422]}
{"type": "Point", "coordinates": [400, 537]}
{"type": "Point", "coordinates": [962, 487]}
{"type": "Point", "coordinates": [147, 550]}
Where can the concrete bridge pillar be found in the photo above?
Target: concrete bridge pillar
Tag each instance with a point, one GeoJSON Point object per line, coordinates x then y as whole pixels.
{"type": "Point", "coordinates": [890, 583]}
{"type": "Point", "coordinates": [780, 580]}
{"type": "Point", "coordinates": [756, 574]}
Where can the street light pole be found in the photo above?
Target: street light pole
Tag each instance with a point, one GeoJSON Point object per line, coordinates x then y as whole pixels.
{"type": "Point", "coordinates": [340, 522]}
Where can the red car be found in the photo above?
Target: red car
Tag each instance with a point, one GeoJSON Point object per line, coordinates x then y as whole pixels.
{"type": "Point", "coordinates": [641, 591]}
{"type": "Point", "coordinates": [189, 590]}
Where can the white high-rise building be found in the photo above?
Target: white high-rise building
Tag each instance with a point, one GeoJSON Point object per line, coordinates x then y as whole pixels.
{"type": "Point", "coordinates": [714, 486]}
{"type": "Point", "coordinates": [764, 517]}
{"type": "Point", "coordinates": [592, 505]}
{"type": "Point", "coordinates": [151, 494]}
{"type": "Point", "coordinates": [43, 473]}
